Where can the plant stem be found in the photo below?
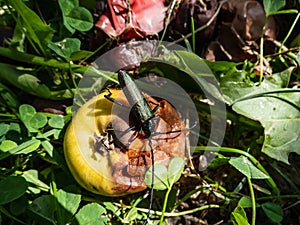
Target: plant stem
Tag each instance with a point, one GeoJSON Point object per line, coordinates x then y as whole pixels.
{"type": "Point", "coordinates": [56, 204]}
{"type": "Point", "coordinates": [296, 196]}
{"type": "Point", "coordinates": [192, 210]}
{"type": "Point", "coordinates": [165, 205]}
{"type": "Point", "coordinates": [193, 34]}
{"type": "Point", "coordinates": [175, 214]}
{"type": "Point", "coordinates": [289, 33]}
{"type": "Point", "coordinates": [8, 115]}
{"type": "Point", "coordinates": [167, 21]}
{"type": "Point", "coordinates": [261, 53]}
{"type": "Point", "coordinates": [252, 201]}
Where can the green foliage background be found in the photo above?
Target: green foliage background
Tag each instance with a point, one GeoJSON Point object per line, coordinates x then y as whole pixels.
{"type": "Point", "coordinates": [44, 59]}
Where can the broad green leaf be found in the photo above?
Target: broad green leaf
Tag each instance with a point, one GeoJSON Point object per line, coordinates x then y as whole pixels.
{"type": "Point", "coordinates": [235, 88]}
{"type": "Point", "coordinates": [57, 133]}
{"type": "Point", "coordinates": [12, 187]}
{"type": "Point", "coordinates": [281, 138]}
{"type": "Point", "coordinates": [111, 207]}
{"type": "Point", "coordinates": [80, 19]}
{"type": "Point", "coordinates": [35, 184]}
{"type": "Point", "coordinates": [56, 121]}
{"type": "Point", "coordinates": [246, 167]}
{"type": "Point", "coordinates": [3, 129]}
{"type": "Point", "coordinates": [25, 147]}
{"type": "Point", "coordinates": [7, 145]}
{"type": "Point", "coordinates": [160, 177]}
{"type": "Point", "coordinates": [66, 47]}
{"type": "Point", "coordinates": [273, 6]}
{"type": "Point", "coordinates": [91, 214]}
{"type": "Point", "coordinates": [33, 85]}
{"type": "Point", "coordinates": [281, 120]}
{"type": "Point", "coordinates": [239, 216]}
{"type": "Point", "coordinates": [165, 177]}
{"type": "Point", "coordinates": [15, 127]}
{"type": "Point", "coordinates": [175, 169]}
{"type": "Point", "coordinates": [66, 7]}
{"type": "Point", "coordinates": [34, 27]}
{"type": "Point", "coordinates": [38, 121]}
{"type": "Point", "coordinates": [274, 106]}
{"type": "Point", "coordinates": [75, 17]}
{"type": "Point", "coordinates": [222, 67]}
{"type": "Point", "coordinates": [44, 207]}
{"type": "Point", "coordinates": [246, 202]}
{"type": "Point", "coordinates": [286, 11]}
{"type": "Point", "coordinates": [273, 211]}
{"type": "Point", "coordinates": [69, 203]}
{"type": "Point", "coordinates": [30, 148]}
{"type": "Point", "coordinates": [26, 113]}
{"type": "Point", "coordinates": [198, 69]}
{"type": "Point", "coordinates": [48, 147]}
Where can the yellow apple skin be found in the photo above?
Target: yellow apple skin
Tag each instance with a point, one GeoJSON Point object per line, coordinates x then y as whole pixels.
{"type": "Point", "coordinates": [92, 170]}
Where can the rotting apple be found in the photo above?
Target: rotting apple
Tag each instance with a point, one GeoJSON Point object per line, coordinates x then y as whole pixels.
{"type": "Point", "coordinates": [108, 161]}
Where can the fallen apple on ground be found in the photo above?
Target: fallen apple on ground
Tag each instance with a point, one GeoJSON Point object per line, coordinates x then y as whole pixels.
{"type": "Point", "coordinates": [108, 161]}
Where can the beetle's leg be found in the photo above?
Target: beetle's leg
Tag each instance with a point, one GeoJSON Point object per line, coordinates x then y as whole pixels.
{"type": "Point", "coordinates": [156, 106]}
{"type": "Point", "coordinates": [134, 136]}
{"type": "Point", "coordinates": [120, 134]}
{"type": "Point", "coordinates": [122, 131]}
{"type": "Point", "coordinates": [152, 182]}
{"type": "Point", "coordinates": [108, 97]}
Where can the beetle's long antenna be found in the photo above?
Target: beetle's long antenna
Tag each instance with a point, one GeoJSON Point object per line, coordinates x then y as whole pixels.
{"type": "Point", "coordinates": [152, 182]}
